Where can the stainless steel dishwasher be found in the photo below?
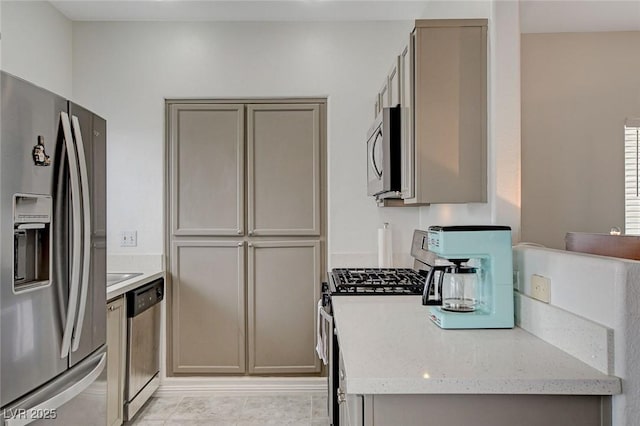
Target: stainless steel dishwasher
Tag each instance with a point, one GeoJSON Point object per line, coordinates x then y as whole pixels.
{"type": "Point", "coordinates": [143, 345]}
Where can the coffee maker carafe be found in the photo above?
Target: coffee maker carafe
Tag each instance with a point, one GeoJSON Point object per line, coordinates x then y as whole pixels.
{"type": "Point", "coordinates": [476, 287]}
{"type": "Point", "coordinates": [460, 288]}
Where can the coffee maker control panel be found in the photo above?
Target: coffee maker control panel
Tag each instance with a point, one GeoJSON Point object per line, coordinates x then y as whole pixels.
{"type": "Point", "coordinates": [434, 240]}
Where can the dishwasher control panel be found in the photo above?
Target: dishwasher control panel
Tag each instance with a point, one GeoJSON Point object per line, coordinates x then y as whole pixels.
{"type": "Point", "coordinates": [143, 298]}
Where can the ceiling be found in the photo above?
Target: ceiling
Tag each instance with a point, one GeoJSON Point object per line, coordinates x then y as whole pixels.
{"type": "Point", "coordinates": [551, 16]}
{"type": "Point", "coordinates": [536, 16]}
{"type": "Point", "coordinates": [240, 10]}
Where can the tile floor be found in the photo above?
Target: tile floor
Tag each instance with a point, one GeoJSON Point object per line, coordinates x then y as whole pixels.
{"type": "Point", "coordinates": [219, 410]}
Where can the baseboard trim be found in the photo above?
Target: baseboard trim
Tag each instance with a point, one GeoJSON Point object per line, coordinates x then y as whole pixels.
{"type": "Point", "coordinates": [194, 386]}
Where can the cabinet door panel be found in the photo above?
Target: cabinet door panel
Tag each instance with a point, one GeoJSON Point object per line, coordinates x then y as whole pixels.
{"type": "Point", "coordinates": [450, 114]}
{"type": "Point", "coordinates": [385, 100]}
{"type": "Point", "coordinates": [208, 307]}
{"type": "Point", "coordinates": [207, 169]}
{"type": "Point", "coordinates": [284, 279]}
{"type": "Point", "coordinates": [394, 84]}
{"type": "Point", "coordinates": [284, 169]}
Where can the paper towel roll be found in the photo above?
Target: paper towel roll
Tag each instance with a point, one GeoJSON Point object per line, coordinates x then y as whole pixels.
{"type": "Point", "coordinates": [385, 248]}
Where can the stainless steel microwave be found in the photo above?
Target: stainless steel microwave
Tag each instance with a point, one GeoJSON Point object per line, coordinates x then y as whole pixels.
{"type": "Point", "coordinates": [383, 155]}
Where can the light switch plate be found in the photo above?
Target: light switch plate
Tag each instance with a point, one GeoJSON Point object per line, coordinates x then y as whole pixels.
{"type": "Point", "coordinates": [129, 239]}
{"type": "Point", "coordinates": [541, 288]}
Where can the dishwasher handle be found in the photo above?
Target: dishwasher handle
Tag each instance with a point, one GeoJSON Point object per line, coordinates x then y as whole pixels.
{"type": "Point", "coordinates": [144, 297]}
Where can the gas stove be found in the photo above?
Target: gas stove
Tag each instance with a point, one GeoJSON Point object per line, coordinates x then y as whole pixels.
{"type": "Point", "coordinates": [376, 281]}
{"type": "Point", "coordinates": [365, 282]}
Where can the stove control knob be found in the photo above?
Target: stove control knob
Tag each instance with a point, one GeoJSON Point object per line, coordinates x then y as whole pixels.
{"type": "Point", "coordinates": [341, 396]}
{"type": "Point", "coordinates": [325, 287]}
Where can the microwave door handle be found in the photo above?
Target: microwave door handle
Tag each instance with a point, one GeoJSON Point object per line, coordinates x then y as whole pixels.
{"type": "Point", "coordinates": [372, 158]}
{"type": "Point", "coordinates": [77, 234]}
{"type": "Point", "coordinates": [86, 228]}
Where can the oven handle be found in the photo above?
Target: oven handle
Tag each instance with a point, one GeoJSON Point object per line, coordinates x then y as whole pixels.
{"type": "Point", "coordinates": [322, 335]}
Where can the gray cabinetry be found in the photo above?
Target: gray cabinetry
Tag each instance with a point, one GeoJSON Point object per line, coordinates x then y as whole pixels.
{"type": "Point", "coordinates": [450, 111]}
{"type": "Point", "coordinates": [480, 410]}
{"type": "Point", "coordinates": [383, 95]}
{"type": "Point", "coordinates": [389, 94]}
{"type": "Point", "coordinates": [208, 307]}
{"type": "Point", "coordinates": [406, 102]}
{"type": "Point", "coordinates": [116, 360]}
{"type": "Point", "coordinates": [283, 169]}
{"type": "Point", "coordinates": [440, 81]}
{"type": "Point", "coordinates": [282, 306]}
{"type": "Point", "coordinates": [393, 78]}
{"type": "Point", "coordinates": [207, 170]}
{"type": "Point", "coordinates": [245, 175]}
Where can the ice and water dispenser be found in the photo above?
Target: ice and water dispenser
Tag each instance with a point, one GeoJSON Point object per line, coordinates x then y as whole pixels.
{"type": "Point", "coordinates": [32, 241]}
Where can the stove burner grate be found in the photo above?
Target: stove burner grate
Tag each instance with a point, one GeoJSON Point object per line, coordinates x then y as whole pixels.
{"type": "Point", "coordinates": [378, 281]}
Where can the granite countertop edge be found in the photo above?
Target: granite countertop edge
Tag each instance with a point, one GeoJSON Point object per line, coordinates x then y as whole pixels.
{"type": "Point", "coordinates": [390, 347]}
{"type": "Point", "coordinates": [121, 288]}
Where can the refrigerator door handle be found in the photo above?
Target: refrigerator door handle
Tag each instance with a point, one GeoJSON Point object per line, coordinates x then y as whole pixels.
{"type": "Point", "coordinates": [77, 235]}
{"type": "Point", "coordinates": [86, 228]}
{"type": "Point", "coordinates": [52, 404]}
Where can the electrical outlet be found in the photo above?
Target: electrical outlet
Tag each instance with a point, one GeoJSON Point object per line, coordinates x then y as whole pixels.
{"type": "Point", "coordinates": [129, 239]}
{"type": "Point", "coordinates": [541, 288]}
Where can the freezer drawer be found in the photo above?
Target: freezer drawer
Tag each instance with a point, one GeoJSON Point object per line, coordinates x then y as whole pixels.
{"type": "Point", "coordinates": [75, 398]}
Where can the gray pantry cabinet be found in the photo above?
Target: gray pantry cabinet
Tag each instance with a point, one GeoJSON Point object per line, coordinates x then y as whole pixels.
{"type": "Point", "coordinates": [246, 235]}
{"type": "Point", "coordinates": [116, 360]}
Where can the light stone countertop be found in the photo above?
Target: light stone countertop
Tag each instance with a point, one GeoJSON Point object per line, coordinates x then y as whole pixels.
{"type": "Point", "coordinates": [132, 283]}
{"type": "Point", "coordinates": [390, 346]}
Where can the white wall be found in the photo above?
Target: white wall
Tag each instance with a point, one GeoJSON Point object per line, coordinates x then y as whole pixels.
{"type": "Point", "coordinates": [124, 71]}
{"type": "Point", "coordinates": [36, 44]}
{"type": "Point", "coordinates": [503, 206]}
{"type": "Point", "coordinates": [577, 91]}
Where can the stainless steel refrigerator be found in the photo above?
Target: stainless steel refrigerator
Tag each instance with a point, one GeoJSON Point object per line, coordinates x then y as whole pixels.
{"type": "Point", "coordinates": [53, 259]}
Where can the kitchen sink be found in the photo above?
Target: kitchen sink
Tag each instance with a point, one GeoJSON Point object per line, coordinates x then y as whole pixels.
{"type": "Point", "coordinates": [118, 277]}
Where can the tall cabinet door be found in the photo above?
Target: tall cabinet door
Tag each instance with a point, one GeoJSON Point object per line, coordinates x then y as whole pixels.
{"type": "Point", "coordinates": [207, 170]}
{"type": "Point", "coordinates": [208, 306]}
{"type": "Point", "coordinates": [283, 286]}
{"type": "Point", "coordinates": [283, 158]}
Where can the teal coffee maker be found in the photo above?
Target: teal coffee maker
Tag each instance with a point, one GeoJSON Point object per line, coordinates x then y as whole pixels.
{"type": "Point", "coordinates": [477, 286]}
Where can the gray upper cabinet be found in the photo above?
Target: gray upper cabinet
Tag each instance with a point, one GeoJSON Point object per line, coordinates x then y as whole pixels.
{"type": "Point", "coordinates": [283, 157]}
{"type": "Point", "coordinates": [208, 306]}
{"type": "Point", "coordinates": [393, 79]}
{"type": "Point", "coordinates": [207, 154]}
{"type": "Point", "coordinates": [283, 287]}
{"type": "Point", "coordinates": [389, 95]}
{"type": "Point", "coordinates": [383, 95]}
{"type": "Point", "coordinates": [450, 111]}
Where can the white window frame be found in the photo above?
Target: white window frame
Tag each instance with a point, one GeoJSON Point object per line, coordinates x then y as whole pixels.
{"type": "Point", "coordinates": [632, 176]}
